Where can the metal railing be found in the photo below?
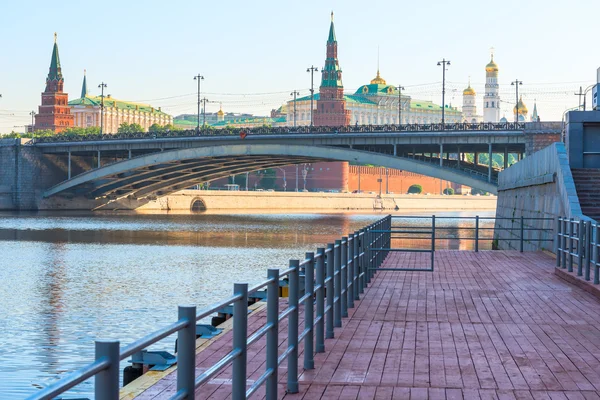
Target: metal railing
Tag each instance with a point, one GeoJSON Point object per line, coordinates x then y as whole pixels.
{"type": "Point", "coordinates": [516, 234]}
{"type": "Point", "coordinates": [282, 130]}
{"type": "Point", "coordinates": [578, 241]}
{"type": "Point", "coordinates": [333, 279]}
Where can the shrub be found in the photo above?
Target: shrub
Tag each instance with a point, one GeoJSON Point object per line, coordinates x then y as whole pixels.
{"type": "Point", "coordinates": [449, 191]}
{"type": "Point", "coordinates": [417, 189]}
{"type": "Point", "coordinates": [475, 191]}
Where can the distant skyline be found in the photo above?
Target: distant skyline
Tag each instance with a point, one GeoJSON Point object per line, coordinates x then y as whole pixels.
{"type": "Point", "coordinates": [253, 54]}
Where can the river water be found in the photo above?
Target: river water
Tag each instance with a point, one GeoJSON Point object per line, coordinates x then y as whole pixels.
{"type": "Point", "coordinates": [71, 278]}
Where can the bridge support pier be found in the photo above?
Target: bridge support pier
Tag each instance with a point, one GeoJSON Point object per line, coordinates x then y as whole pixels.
{"type": "Point", "coordinates": [489, 162]}
{"type": "Point", "coordinates": [129, 154]}
{"type": "Point", "coordinates": [99, 165]}
{"type": "Point", "coordinates": [476, 159]}
{"type": "Point", "coordinates": [441, 154]}
{"type": "Point", "coordinates": [395, 150]}
{"type": "Point", "coordinates": [69, 166]}
{"type": "Point", "coordinates": [458, 157]}
{"type": "Point", "coordinates": [505, 157]}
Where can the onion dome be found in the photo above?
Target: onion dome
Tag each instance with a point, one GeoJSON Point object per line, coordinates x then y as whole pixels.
{"type": "Point", "coordinates": [522, 107]}
{"type": "Point", "coordinates": [492, 66]}
{"type": "Point", "coordinates": [378, 80]}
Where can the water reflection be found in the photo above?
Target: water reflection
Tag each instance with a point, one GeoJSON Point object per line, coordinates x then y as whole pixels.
{"type": "Point", "coordinates": [71, 278]}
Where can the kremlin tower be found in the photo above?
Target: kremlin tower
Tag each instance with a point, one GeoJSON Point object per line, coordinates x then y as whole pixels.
{"type": "Point", "coordinates": [331, 105]}
{"type": "Point", "coordinates": [54, 112]}
{"type": "Point", "coordinates": [469, 108]}
{"type": "Point", "coordinates": [491, 100]}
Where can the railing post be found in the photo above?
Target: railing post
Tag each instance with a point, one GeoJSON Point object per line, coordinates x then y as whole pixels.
{"type": "Point", "coordinates": [522, 241]}
{"type": "Point", "coordinates": [563, 245]}
{"type": "Point", "coordinates": [432, 242]}
{"type": "Point", "coordinates": [309, 316]}
{"type": "Point", "coordinates": [350, 273]}
{"type": "Point", "coordinates": [320, 328]}
{"type": "Point", "coordinates": [344, 276]}
{"type": "Point", "coordinates": [597, 256]}
{"type": "Point", "coordinates": [337, 305]}
{"type": "Point", "coordinates": [273, 333]}
{"type": "Point", "coordinates": [240, 333]}
{"type": "Point", "coordinates": [558, 233]}
{"type": "Point", "coordinates": [330, 292]}
{"type": "Point", "coordinates": [580, 256]}
{"type": "Point", "coordinates": [476, 233]}
{"type": "Point", "coordinates": [356, 265]}
{"type": "Point", "coordinates": [588, 249]}
{"type": "Point", "coordinates": [186, 353]}
{"type": "Point", "coordinates": [106, 382]}
{"type": "Point", "coordinates": [570, 246]}
{"type": "Point", "coordinates": [368, 254]}
{"type": "Point", "coordinates": [294, 289]}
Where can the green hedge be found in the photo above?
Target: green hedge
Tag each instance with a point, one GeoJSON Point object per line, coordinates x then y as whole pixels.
{"type": "Point", "coordinates": [415, 189]}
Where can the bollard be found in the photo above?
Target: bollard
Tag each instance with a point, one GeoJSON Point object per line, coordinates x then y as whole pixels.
{"type": "Point", "coordinates": [580, 255]}
{"type": "Point", "coordinates": [356, 266]}
{"type": "Point", "coordinates": [309, 316]}
{"type": "Point", "coordinates": [186, 353]}
{"type": "Point", "coordinates": [240, 332]}
{"type": "Point", "coordinates": [330, 293]}
{"type": "Point", "coordinates": [337, 302]}
{"type": "Point", "coordinates": [350, 273]}
{"type": "Point", "coordinates": [292, 373]}
{"type": "Point", "coordinates": [344, 276]}
{"type": "Point", "coordinates": [106, 382]}
{"type": "Point", "coordinates": [588, 249]}
{"type": "Point", "coordinates": [563, 246]}
{"type": "Point", "coordinates": [273, 333]}
{"type": "Point", "coordinates": [320, 327]}
{"type": "Point", "coordinates": [476, 233]}
{"type": "Point", "coordinates": [361, 261]}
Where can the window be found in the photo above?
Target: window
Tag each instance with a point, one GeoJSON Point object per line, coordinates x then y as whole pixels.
{"type": "Point", "coordinates": [493, 104]}
{"type": "Point", "coordinates": [487, 104]}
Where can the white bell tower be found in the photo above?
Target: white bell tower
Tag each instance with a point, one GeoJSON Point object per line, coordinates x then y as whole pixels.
{"type": "Point", "coordinates": [491, 100]}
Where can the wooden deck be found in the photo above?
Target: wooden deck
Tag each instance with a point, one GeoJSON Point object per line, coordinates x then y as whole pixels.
{"type": "Point", "coordinates": [491, 325]}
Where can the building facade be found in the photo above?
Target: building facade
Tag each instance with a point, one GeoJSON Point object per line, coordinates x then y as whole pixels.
{"type": "Point", "coordinates": [469, 109]}
{"type": "Point", "coordinates": [86, 111]}
{"type": "Point", "coordinates": [54, 112]}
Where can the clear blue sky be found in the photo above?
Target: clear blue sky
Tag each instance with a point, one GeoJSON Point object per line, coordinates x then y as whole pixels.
{"type": "Point", "coordinates": [150, 50]}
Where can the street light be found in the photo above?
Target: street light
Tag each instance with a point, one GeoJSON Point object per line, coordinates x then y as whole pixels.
{"type": "Point", "coordinates": [294, 93]}
{"type": "Point", "coordinates": [32, 113]}
{"type": "Point", "coordinates": [198, 78]}
{"type": "Point", "coordinates": [443, 63]}
{"type": "Point", "coordinates": [284, 181]}
{"type": "Point", "coordinates": [102, 86]}
{"type": "Point", "coordinates": [516, 83]}
{"type": "Point", "coordinates": [400, 89]}
{"type": "Point", "coordinates": [312, 71]}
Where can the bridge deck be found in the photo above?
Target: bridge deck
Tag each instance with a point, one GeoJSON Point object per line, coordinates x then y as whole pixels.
{"type": "Point", "coordinates": [492, 324]}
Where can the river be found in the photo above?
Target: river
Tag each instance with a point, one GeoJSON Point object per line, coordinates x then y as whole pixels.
{"type": "Point", "coordinates": [71, 278]}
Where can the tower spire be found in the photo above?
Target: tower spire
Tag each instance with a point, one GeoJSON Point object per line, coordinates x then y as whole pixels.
{"type": "Point", "coordinates": [331, 38]}
{"type": "Point", "coordinates": [84, 90]}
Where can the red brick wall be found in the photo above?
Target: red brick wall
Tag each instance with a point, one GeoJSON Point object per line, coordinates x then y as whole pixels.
{"type": "Point", "coordinates": [397, 181]}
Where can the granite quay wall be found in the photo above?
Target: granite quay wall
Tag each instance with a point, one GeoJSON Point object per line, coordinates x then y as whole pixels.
{"type": "Point", "coordinates": [230, 200]}
{"type": "Point", "coordinates": [539, 186]}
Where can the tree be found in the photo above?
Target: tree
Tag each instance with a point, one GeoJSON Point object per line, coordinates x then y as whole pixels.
{"type": "Point", "coordinates": [130, 128]}
{"type": "Point", "coordinates": [449, 191]}
{"type": "Point", "coordinates": [156, 128]}
{"type": "Point", "coordinates": [417, 189]}
{"type": "Point", "coordinates": [268, 177]}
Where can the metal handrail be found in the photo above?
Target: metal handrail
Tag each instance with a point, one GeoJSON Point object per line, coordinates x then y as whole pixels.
{"type": "Point", "coordinates": [342, 272]}
{"type": "Point", "coordinates": [578, 241]}
{"type": "Point", "coordinates": [283, 130]}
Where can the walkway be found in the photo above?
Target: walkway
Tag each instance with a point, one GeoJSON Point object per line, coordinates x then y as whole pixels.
{"type": "Point", "coordinates": [492, 324]}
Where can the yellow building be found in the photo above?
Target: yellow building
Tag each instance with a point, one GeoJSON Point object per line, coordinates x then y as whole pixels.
{"type": "Point", "coordinates": [87, 112]}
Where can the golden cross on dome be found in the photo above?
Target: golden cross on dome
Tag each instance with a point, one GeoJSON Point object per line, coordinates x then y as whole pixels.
{"type": "Point", "coordinates": [492, 51]}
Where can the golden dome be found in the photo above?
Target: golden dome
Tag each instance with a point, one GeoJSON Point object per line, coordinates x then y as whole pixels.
{"type": "Point", "coordinates": [378, 80]}
{"type": "Point", "coordinates": [522, 107]}
{"type": "Point", "coordinates": [469, 91]}
{"type": "Point", "coordinates": [220, 113]}
{"type": "Point", "coordinates": [492, 66]}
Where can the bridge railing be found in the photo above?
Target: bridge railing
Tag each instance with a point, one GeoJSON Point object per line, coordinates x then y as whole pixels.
{"type": "Point", "coordinates": [578, 242]}
{"type": "Point", "coordinates": [282, 130]}
{"type": "Point", "coordinates": [333, 279]}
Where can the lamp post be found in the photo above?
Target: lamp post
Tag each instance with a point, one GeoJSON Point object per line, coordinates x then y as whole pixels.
{"type": "Point", "coordinates": [32, 113]}
{"type": "Point", "coordinates": [304, 173]}
{"type": "Point", "coordinates": [102, 86]}
{"type": "Point", "coordinates": [400, 89]}
{"type": "Point", "coordinates": [204, 100]}
{"type": "Point", "coordinates": [198, 78]}
{"type": "Point", "coordinates": [312, 69]}
{"type": "Point", "coordinates": [443, 63]}
{"type": "Point", "coordinates": [295, 93]}
{"type": "Point", "coordinates": [516, 83]}
{"type": "Point", "coordinates": [284, 181]}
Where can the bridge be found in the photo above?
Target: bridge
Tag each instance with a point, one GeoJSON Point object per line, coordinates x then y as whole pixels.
{"type": "Point", "coordinates": [144, 166]}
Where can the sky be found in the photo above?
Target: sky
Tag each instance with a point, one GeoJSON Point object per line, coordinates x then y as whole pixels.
{"type": "Point", "coordinates": [253, 54]}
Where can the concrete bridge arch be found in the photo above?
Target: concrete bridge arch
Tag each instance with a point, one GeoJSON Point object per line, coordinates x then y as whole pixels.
{"type": "Point", "coordinates": [162, 173]}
